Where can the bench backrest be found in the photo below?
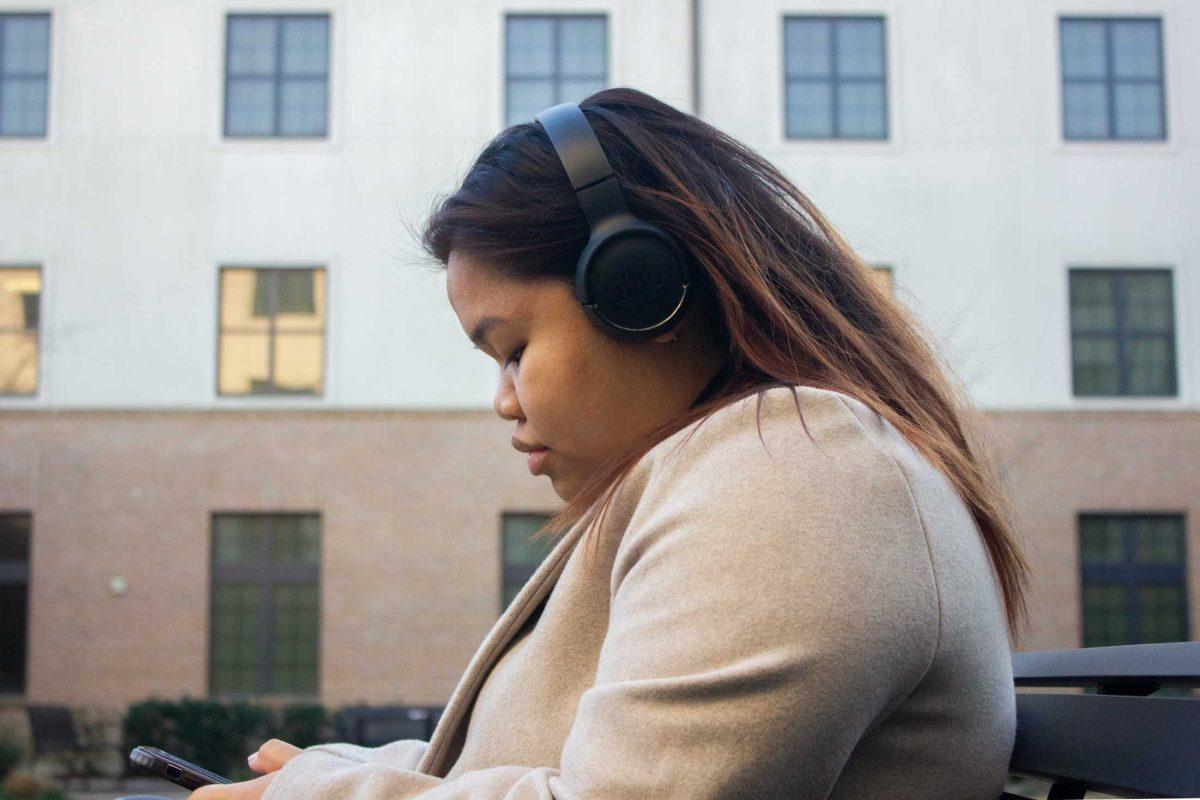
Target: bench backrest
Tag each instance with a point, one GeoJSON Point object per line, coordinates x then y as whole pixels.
{"type": "Point", "coordinates": [1116, 738]}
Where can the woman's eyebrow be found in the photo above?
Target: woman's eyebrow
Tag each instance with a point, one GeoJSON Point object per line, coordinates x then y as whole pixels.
{"type": "Point", "coordinates": [482, 327]}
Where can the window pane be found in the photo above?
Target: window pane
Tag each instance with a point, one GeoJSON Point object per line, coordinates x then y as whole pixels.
{"type": "Point", "coordinates": [15, 530]}
{"type": "Point", "coordinates": [809, 109]}
{"type": "Point", "coordinates": [300, 300]}
{"type": "Point", "coordinates": [242, 291]}
{"type": "Point", "coordinates": [1138, 111]}
{"type": "Point", "coordinates": [1159, 540]}
{"type": "Point", "coordinates": [297, 539]}
{"type": "Point", "coordinates": [1151, 365]}
{"type": "Point", "coordinates": [1104, 616]}
{"type": "Point", "coordinates": [1135, 49]}
{"type": "Point", "coordinates": [1093, 302]}
{"type": "Point", "coordinates": [860, 110]}
{"type": "Point", "coordinates": [530, 45]}
{"type": "Point", "coordinates": [240, 538]}
{"type": "Point", "coordinates": [236, 638]}
{"type": "Point", "coordinates": [1162, 614]}
{"type": "Point", "coordinates": [302, 107]}
{"type": "Point", "coordinates": [244, 362]}
{"type": "Point", "coordinates": [860, 48]}
{"type": "Point", "coordinates": [298, 362]}
{"type": "Point", "coordinates": [294, 639]}
{"type": "Point", "coordinates": [577, 91]}
{"type": "Point", "coordinates": [305, 46]}
{"type": "Point", "coordinates": [808, 48]}
{"type": "Point", "coordinates": [1083, 48]}
{"type": "Point", "coordinates": [18, 363]}
{"type": "Point", "coordinates": [26, 44]}
{"type": "Point", "coordinates": [251, 46]}
{"type": "Point", "coordinates": [1147, 299]}
{"type": "Point", "coordinates": [1085, 110]}
{"type": "Point", "coordinates": [527, 97]}
{"type": "Point", "coordinates": [581, 44]}
{"type": "Point", "coordinates": [1095, 365]}
{"type": "Point", "coordinates": [251, 109]}
{"type": "Point", "coordinates": [23, 110]}
{"type": "Point", "coordinates": [1101, 540]}
{"type": "Point", "coordinates": [20, 290]}
{"type": "Point", "coordinates": [518, 550]}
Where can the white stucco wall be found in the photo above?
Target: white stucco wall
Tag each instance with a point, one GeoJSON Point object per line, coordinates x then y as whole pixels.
{"type": "Point", "coordinates": [134, 199]}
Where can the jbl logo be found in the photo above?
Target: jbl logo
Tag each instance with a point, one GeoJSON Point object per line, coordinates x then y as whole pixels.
{"type": "Point", "coordinates": [635, 280]}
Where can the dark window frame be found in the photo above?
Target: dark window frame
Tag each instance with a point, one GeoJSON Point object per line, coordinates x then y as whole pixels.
{"type": "Point", "coordinates": [1110, 80]}
{"type": "Point", "coordinates": [272, 330]}
{"type": "Point", "coordinates": [16, 572]}
{"type": "Point", "coordinates": [1121, 332]}
{"type": "Point", "coordinates": [277, 76]}
{"type": "Point", "coordinates": [1130, 573]}
{"type": "Point", "coordinates": [5, 16]}
{"type": "Point", "coordinates": [517, 575]}
{"type": "Point", "coordinates": [267, 575]}
{"type": "Point", "coordinates": [556, 77]}
{"type": "Point", "coordinates": [834, 80]}
{"type": "Point", "coordinates": [36, 329]}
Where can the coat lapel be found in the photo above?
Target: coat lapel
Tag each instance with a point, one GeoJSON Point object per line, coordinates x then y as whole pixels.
{"type": "Point", "coordinates": [447, 738]}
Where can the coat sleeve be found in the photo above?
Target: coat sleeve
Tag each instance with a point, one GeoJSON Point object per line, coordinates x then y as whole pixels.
{"type": "Point", "coordinates": [766, 612]}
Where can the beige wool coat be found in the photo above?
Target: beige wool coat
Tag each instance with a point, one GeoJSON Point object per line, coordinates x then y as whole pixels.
{"type": "Point", "coordinates": [771, 617]}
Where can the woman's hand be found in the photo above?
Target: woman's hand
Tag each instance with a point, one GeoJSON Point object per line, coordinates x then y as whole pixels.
{"type": "Point", "coordinates": [269, 758]}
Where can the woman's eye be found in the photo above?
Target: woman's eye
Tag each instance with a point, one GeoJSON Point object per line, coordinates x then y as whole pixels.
{"type": "Point", "coordinates": [515, 357]}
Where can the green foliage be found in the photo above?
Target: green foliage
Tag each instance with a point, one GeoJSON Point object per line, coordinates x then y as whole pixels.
{"type": "Point", "coordinates": [24, 785]}
{"type": "Point", "coordinates": [304, 725]}
{"type": "Point", "coordinates": [11, 754]}
{"type": "Point", "coordinates": [219, 735]}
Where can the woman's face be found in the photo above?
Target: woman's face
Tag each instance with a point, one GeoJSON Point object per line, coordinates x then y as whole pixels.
{"type": "Point", "coordinates": [569, 387]}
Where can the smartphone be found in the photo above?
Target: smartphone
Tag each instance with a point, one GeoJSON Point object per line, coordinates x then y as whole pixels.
{"type": "Point", "coordinates": [173, 768]}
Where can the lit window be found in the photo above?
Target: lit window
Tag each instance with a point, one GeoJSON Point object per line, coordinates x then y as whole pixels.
{"type": "Point", "coordinates": [20, 295]}
{"type": "Point", "coordinates": [272, 331]}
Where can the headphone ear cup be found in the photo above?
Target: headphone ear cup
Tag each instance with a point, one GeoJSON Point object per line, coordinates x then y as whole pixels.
{"type": "Point", "coordinates": [637, 284]}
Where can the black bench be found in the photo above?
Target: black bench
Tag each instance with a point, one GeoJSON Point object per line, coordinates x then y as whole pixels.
{"type": "Point", "coordinates": [1116, 737]}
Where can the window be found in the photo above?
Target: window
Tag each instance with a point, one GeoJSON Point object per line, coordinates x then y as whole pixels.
{"type": "Point", "coordinates": [1122, 332]}
{"type": "Point", "coordinates": [264, 628]}
{"type": "Point", "coordinates": [24, 73]}
{"type": "Point", "coordinates": [14, 599]}
{"type": "Point", "coordinates": [1134, 584]}
{"type": "Point", "coordinates": [1112, 78]}
{"type": "Point", "coordinates": [20, 291]}
{"type": "Point", "coordinates": [551, 60]}
{"type": "Point", "coordinates": [272, 326]}
{"type": "Point", "coordinates": [885, 278]}
{"type": "Point", "coordinates": [835, 78]}
{"type": "Point", "coordinates": [276, 74]}
{"type": "Point", "coordinates": [521, 557]}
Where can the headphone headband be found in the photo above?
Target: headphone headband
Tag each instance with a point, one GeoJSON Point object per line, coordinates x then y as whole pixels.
{"type": "Point", "coordinates": [583, 158]}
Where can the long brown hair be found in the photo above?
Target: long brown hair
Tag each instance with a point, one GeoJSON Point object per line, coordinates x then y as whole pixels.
{"type": "Point", "coordinates": [785, 296]}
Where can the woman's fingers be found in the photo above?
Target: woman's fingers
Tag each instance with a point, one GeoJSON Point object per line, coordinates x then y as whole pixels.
{"type": "Point", "coordinates": [271, 756]}
{"type": "Point", "coordinates": [246, 790]}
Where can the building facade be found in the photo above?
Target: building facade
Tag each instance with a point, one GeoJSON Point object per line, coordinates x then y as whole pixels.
{"type": "Point", "coordinates": [247, 450]}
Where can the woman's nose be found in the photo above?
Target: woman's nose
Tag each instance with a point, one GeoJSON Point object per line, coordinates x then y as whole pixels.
{"type": "Point", "coordinates": [505, 401]}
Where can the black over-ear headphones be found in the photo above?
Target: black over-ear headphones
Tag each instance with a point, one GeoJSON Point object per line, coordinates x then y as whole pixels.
{"type": "Point", "coordinates": [632, 278]}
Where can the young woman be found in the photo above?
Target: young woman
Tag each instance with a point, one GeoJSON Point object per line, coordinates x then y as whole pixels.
{"type": "Point", "coordinates": [784, 566]}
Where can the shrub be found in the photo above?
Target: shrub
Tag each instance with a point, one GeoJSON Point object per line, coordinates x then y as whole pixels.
{"type": "Point", "coordinates": [219, 735]}
{"type": "Point", "coordinates": [11, 754]}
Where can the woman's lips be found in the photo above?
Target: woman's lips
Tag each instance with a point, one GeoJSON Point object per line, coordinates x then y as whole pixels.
{"type": "Point", "coordinates": [536, 459]}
